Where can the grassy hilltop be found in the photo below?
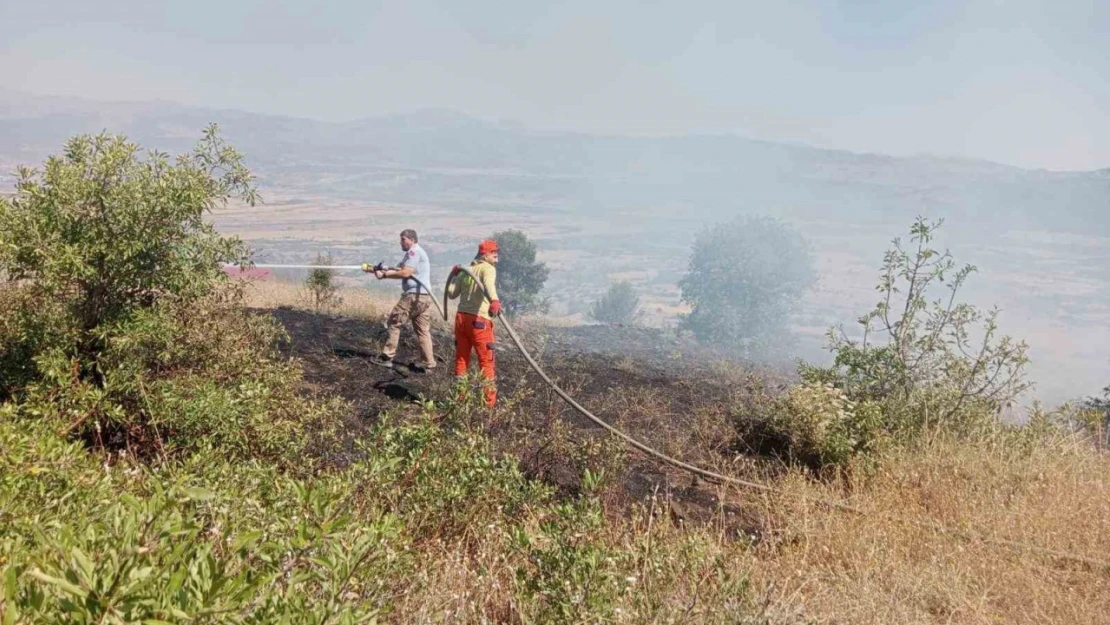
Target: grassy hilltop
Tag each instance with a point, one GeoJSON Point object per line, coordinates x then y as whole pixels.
{"type": "Point", "coordinates": [179, 447]}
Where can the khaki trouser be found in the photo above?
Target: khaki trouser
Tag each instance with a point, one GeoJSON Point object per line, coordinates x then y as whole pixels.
{"type": "Point", "coordinates": [414, 308]}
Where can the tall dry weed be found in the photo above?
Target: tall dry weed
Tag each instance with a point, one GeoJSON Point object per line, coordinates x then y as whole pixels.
{"type": "Point", "coordinates": [889, 566]}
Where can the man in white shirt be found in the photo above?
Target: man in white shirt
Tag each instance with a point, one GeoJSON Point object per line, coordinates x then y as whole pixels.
{"type": "Point", "coordinates": [415, 303]}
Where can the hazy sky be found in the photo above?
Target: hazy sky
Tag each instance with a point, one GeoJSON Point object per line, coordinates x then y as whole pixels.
{"type": "Point", "coordinates": [1018, 81]}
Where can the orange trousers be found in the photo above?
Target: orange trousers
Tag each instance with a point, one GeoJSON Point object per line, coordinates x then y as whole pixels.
{"type": "Point", "coordinates": [475, 333]}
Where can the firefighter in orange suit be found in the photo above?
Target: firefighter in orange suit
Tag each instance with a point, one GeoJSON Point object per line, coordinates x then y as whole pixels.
{"type": "Point", "coordinates": [474, 319]}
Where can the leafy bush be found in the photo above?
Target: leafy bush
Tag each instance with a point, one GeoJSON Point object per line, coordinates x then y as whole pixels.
{"type": "Point", "coordinates": [1101, 402]}
{"type": "Point", "coordinates": [942, 359]}
{"type": "Point", "coordinates": [101, 233]}
{"type": "Point", "coordinates": [120, 326]}
{"type": "Point", "coordinates": [569, 576]}
{"type": "Point", "coordinates": [744, 278]}
{"type": "Point", "coordinates": [208, 536]}
{"type": "Point", "coordinates": [620, 304]}
{"type": "Point", "coordinates": [320, 284]}
{"type": "Point", "coordinates": [1088, 419]}
{"type": "Point", "coordinates": [520, 278]}
{"type": "Point", "coordinates": [84, 543]}
{"type": "Point", "coordinates": [815, 424]}
{"type": "Point", "coordinates": [822, 426]}
{"type": "Point", "coordinates": [446, 482]}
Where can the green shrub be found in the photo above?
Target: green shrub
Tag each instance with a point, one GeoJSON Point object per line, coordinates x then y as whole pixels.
{"type": "Point", "coordinates": [446, 481]}
{"type": "Point", "coordinates": [1068, 420]}
{"type": "Point", "coordinates": [120, 326]}
{"type": "Point", "coordinates": [620, 304]}
{"type": "Point", "coordinates": [320, 284]}
{"type": "Point", "coordinates": [1098, 415]}
{"type": "Point", "coordinates": [237, 541]}
{"type": "Point", "coordinates": [176, 377]}
{"type": "Point", "coordinates": [928, 361]}
{"type": "Point", "coordinates": [101, 233]}
{"type": "Point", "coordinates": [819, 425]}
{"type": "Point", "coordinates": [568, 574]}
{"type": "Point", "coordinates": [204, 540]}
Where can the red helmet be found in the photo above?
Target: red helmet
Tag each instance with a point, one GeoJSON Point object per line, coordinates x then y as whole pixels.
{"type": "Point", "coordinates": [487, 247]}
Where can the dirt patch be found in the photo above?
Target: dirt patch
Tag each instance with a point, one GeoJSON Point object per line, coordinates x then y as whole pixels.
{"type": "Point", "coordinates": [660, 389]}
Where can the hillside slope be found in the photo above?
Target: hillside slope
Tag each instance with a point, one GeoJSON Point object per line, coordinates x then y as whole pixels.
{"type": "Point", "coordinates": [447, 158]}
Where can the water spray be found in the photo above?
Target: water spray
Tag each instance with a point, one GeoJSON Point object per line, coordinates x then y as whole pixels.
{"type": "Point", "coordinates": [379, 267]}
{"type": "Point", "coordinates": [269, 266]}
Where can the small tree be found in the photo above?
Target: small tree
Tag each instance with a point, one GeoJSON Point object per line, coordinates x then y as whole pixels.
{"type": "Point", "coordinates": [911, 344]}
{"type": "Point", "coordinates": [620, 304]}
{"type": "Point", "coordinates": [320, 283]}
{"type": "Point", "coordinates": [102, 233]}
{"type": "Point", "coordinates": [1101, 405]}
{"type": "Point", "coordinates": [520, 278]}
{"type": "Point", "coordinates": [743, 281]}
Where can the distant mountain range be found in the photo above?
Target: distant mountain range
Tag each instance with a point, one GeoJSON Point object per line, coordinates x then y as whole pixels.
{"type": "Point", "coordinates": [443, 157]}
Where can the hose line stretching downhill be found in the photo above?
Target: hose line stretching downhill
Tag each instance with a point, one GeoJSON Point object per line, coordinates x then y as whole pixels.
{"type": "Point", "coordinates": [726, 479]}
{"type": "Point", "coordinates": [1017, 546]}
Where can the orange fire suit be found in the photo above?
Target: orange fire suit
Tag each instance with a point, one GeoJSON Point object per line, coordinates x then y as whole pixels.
{"type": "Point", "coordinates": [474, 325]}
{"type": "Point", "coordinates": [475, 333]}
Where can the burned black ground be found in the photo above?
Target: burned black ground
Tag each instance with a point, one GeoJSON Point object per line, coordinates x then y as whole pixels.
{"type": "Point", "coordinates": [668, 392]}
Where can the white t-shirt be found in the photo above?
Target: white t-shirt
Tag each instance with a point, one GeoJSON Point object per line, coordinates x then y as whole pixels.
{"type": "Point", "coordinates": [416, 258]}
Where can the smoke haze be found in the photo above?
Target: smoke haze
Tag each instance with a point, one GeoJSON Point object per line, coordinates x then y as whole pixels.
{"type": "Point", "coordinates": [1022, 82]}
{"type": "Point", "coordinates": [612, 133]}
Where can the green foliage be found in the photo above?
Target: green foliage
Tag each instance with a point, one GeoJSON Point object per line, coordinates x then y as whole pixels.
{"type": "Point", "coordinates": [520, 278]}
{"type": "Point", "coordinates": [1100, 403]}
{"type": "Point", "coordinates": [321, 287]}
{"type": "Point", "coordinates": [932, 359]}
{"type": "Point", "coordinates": [446, 482]}
{"type": "Point", "coordinates": [568, 574]}
{"type": "Point", "coordinates": [620, 305]}
{"type": "Point", "coordinates": [208, 538]}
{"type": "Point", "coordinates": [743, 281]}
{"type": "Point", "coordinates": [101, 233]}
{"type": "Point", "coordinates": [205, 540]}
{"type": "Point", "coordinates": [821, 426]}
{"type": "Point", "coordinates": [1097, 413]}
{"type": "Point", "coordinates": [121, 327]}
{"type": "Point", "coordinates": [1069, 419]}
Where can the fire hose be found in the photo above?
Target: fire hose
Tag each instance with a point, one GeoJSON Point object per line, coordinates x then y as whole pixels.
{"type": "Point", "coordinates": [658, 455]}
{"type": "Point", "coordinates": [705, 473]}
{"type": "Point", "coordinates": [717, 477]}
{"type": "Point", "coordinates": [442, 308]}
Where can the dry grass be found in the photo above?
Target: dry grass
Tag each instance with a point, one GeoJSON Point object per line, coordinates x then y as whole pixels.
{"type": "Point", "coordinates": [889, 567]}
{"type": "Point", "coordinates": [816, 564]}
{"type": "Point", "coordinates": [822, 566]}
{"type": "Point", "coordinates": [359, 303]}
{"type": "Point", "coordinates": [812, 563]}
